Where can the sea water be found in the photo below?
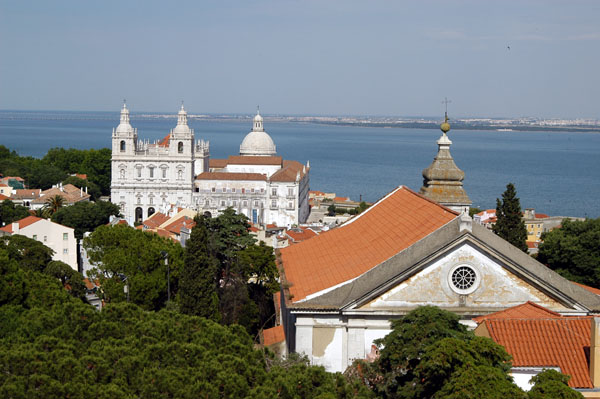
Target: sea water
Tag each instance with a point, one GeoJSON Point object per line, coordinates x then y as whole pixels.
{"type": "Point", "coordinates": [557, 173]}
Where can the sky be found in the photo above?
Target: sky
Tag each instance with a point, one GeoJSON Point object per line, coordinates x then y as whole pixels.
{"type": "Point", "coordinates": [310, 57]}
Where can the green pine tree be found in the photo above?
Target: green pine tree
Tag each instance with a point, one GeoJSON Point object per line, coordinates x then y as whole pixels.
{"type": "Point", "coordinates": [509, 224]}
{"type": "Point", "coordinates": [198, 285]}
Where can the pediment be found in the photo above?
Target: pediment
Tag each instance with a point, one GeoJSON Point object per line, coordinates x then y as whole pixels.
{"type": "Point", "coordinates": [464, 277]}
{"type": "Point", "coordinates": [422, 275]}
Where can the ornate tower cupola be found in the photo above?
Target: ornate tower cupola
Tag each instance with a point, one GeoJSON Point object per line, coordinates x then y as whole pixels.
{"type": "Point", "coordinates": [124, 137]}
{"type": "Point", "coordinates": [442, 180]}
{"type": "Point", "coordinates": [258, 122]}
{"type": "Point", "coordinates": [182, 130]}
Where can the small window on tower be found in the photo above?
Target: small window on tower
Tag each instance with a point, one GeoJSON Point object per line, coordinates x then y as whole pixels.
{"type": "Point", "coordinates": [180, 147]}
{"type": "Point", "coordinates": [122, 145]}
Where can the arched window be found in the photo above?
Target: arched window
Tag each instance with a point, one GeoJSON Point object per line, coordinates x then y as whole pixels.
{"type": "Point", "coordinates": [122, 145]}
{"type": "Point", "coordinates": [139, 214]}
{"type": "Point", "coordinates": [180, 147]}
{"type": "Point", "coordinates": [151, 211]}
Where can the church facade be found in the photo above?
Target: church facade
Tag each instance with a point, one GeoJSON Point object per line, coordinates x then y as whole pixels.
{"type": "Point", "coordinates": [177, 172]}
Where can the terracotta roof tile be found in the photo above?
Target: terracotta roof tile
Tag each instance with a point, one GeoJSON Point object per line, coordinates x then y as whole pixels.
{"type": "Point", "coordinates": [300, 234]}
{"type": "Point", "coordinates": [165, 141]}
{"type": "Point", "coordinates": [273, 335]}
{"type": "Point", "coordinates": [217, 163]}
{"type": "Point", "coordinates": [527, 310]}
{"type": "Point", "coordinates": [230, 176]}
{"type": "Point", "coordinates": [29, 220]}
{"type": "Point", "coordinates": [558, 341]}
{"type": "Point", "coordinates": [394, 223]}
{"type": "Point", "coordinates": [3, 197]}
{"type": "Point", "coordinates": [587, 287]}
{"type": "Point", "coordinates": [155, 220]}
{"type": "Point", "coordinates": [177, 225]}
{"type": "Point", "coordinates": [289, 171]}
{"type": "Point", "coordinates": [27, 193]}
{"type": "Point", "coordinates": [69, 192]}
{"type": "Point", "coordinates": [253, 160]}
{"type": "Point", "coordinates": [541, 216]}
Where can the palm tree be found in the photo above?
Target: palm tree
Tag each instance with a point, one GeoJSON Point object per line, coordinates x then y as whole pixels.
{"type": "Point", "coordinates": [54, 203]}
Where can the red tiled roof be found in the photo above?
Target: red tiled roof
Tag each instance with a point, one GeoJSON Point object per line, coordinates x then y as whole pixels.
{"type": "Point", "coordinates": [391, 225]}
{"type": "Point", "coordinates": [217, 163]}
{"type": "Point", "coordinates": [558, 341]}
{"type": "Point", "coordinates": [341, 199]}
{"type": "Point", "coordinates": [165, 141]}
{"type": "Point", "coordinates": [532, 244]}
{"type": "Point", "coordinates": [253, 160]}
{"type": "Point", "coordinates": [316, 193]}
{"type": "Point", "coordinates": [587, 287]}
{"type": "Point", "coordinates": [288, 172]}
{"type": "Point", "coordinates": [273, 335]}
{"type": "Point", "coordinates": [527, 310]}
{"type": "Point", "coordinates": [541, 216]}
{"type": "Point", "coordinates": [82, 176]}
{"type": "Point", "coordinates": [230, 176]}
{"type": "Point", "coordinates": [155, 220]}
{"type": "Point", "coordinates": [29, 220]}
{"type": "Point", "coordinates": [302, 235]}
{"type": "Point", "coordinates": [27, 193]}
{"type": "Point", "coordinates": [69, 192]}
{"type": "Point", "coordinates": [177, 225]}
{"type": "Point", "coordinates": [3, 197]}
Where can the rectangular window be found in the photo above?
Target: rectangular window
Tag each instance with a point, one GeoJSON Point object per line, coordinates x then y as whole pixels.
{"type": "Point", "coordinates": [252, 190]}
{"type": "Point", "coordinates": [222, 203]}
{"type": "Point", "coordinates": [65, 236]}
{"type": "Point", "coordinates": [65, 251]}
{"type": "Point", "coordinates": [233, 189]}
{"type": "Point", "coordinates": [213, 189]}
{"type": "Point", "coordinates": [274, 191]}
{"type": "Point", "coordinates": [224, 189]}
{"type": "Point", "coordinates": [151, 172]}
{"type": "Point", "coordinates": [243, 190]}
{"type": "Point", "coordinates": [290, 191]}
{"type": "Point", "coordinates": [290, 205]}
{"type": "Point", "coordinates": [256, 204]}
{"type": "Point", "coordinates": [164, 173]}
{"type": "Point", "coordinates": [234, 203]}
{"type": "Point", "coordinates": [245, 204]}
{"type": "Point", "coordinates": [139, 172]}
{"type": "Point", "coordinates": [274, 204]}
{"type": "Point", "coordinates": [262, 190]}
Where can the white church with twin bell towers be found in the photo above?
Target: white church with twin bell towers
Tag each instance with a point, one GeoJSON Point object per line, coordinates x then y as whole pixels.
{"type": "Point", "coordinates": [177, 172]}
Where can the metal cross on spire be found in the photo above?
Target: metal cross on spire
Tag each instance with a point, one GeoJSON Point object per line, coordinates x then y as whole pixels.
{"type": "Point", "coordinates": [446, 102]}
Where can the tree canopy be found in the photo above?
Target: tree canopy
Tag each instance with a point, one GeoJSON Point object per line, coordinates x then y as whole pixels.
{"type": "Point", "coordinates": [509, 224]}
{"type": "Point", "coordinates": [122, 255]}
{"type": "Point", "coordinates": [9, 212]}
{"type": "Point", "coordinates": [573, 251]}
{"type": "Point", "coordinates": [53, 345]}
{"type": "Point", "coordinates": [85, 216]}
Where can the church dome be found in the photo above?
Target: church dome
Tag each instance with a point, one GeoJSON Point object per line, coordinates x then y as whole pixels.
{"type": "Point", "coordinates": [124, 127]}
{"type": "Point", "coordinates": [258, 142]}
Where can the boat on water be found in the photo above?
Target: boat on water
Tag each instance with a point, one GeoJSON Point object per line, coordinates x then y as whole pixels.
{"type": "Point", "coordinates": [504, 130]}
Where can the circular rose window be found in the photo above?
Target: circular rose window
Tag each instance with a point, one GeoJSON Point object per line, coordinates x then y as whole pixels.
{"type": "Point", "coordinates": [463, 279]}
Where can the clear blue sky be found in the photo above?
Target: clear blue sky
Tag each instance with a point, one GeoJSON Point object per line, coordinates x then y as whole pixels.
{"type": "Point", "coordinates": [340, 57]}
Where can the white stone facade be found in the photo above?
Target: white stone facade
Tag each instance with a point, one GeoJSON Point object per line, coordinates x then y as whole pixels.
{"type": "Point", "coordinates": [147, 177]}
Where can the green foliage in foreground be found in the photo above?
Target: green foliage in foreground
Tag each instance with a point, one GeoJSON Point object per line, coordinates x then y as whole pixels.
{"type": "Point", "coordinates": [429, 354]}
{"type": "Point", "coordinates": [85, 216]}
{"type": "Point", "coordinates": [574, 251]}
{"type": "Point", "coordinates": [9, 212]}
{"type": "Point", "coordinates": [59, 347]}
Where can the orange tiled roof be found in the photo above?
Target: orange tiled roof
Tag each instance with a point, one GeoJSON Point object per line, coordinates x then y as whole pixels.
{"type": "Point", "coordinates": [558, 341]}
{"type": "Point", "coordinates": [302, 235]}
{"type": "Point", "coordinates": [27, 193]}
{"type": "Point", "coordinates": [165, 141]}
{"type": "Point", "coordinates": [177, 225]}
{"type": "Point", "coordinates": [3, 197]}
{"type": "Point", "coordinates": [230, 176]}
{"type": "Point", "coordinates": [82, 176]}
{"type": "Point", "coordinates": [155, 220]}
{"type": "Point", "coordinates": [273, 335]}
{"type": "Point", "coordinates": [341, 199]}
{"type": "Point", "coordinates": [541, 216]}
{"type": "Point", "coordinates": [527, 310]}
{"type": "Point", "coordinates": [253, 160]}
{"type": "Point", "coordinates": [393, 224]}
{"type": "Point", "coordinates": [532, 244]}
{"type": "Point", "coordinates": [288, 172]}
{"type": "Point", "coordinates": [69, 192]}
{"type": "Point", "coordinates": [217, 163]}
{"type": "Point", "coordinates": [29, 220]}
{"type": "Point", "coordinates": [587, 287]}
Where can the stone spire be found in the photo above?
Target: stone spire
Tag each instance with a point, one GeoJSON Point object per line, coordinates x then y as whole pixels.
{"type": "Point", "coordinates": [124, 128]}
{"type": "Point", "coordinates": [442, 180]}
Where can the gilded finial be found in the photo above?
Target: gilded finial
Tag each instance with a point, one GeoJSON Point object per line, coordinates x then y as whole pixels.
{"type": "Point", "coordinates": [445, 126]}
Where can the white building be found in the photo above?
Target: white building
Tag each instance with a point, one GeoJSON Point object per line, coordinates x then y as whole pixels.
{"type": "Point", "coordinates": [146, 176]}
{"type": "Point", "coordinates": [59, 238]}
{"type": "Point", "coordinates": [176, 171]}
